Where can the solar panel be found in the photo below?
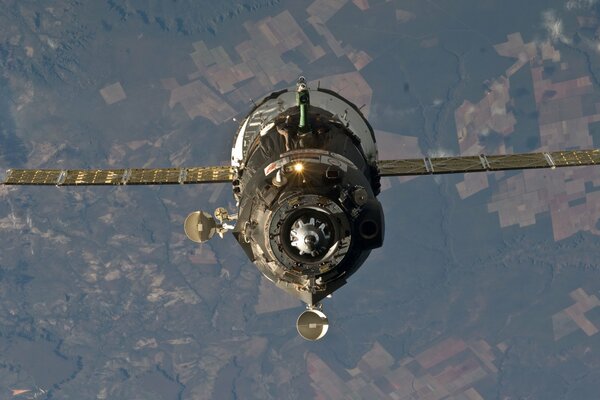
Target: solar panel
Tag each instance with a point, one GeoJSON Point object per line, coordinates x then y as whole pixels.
{"type": "Point", "coordinates": [209, 174]}
{"type": "Point", "coordinates": [450, 165]}
{"type": "Point", "coordinates": [136, 176]}
{"type": "Point", "coordinates": [91, 177]}
{"type": "Point", "coordinates": [32, 176]}
{"type": "Point", "coordinates": [573, 158]}
{"type": "Point", "coordinates": [415, 166]}
{"type": "Point", "coordinates": [163, 176]}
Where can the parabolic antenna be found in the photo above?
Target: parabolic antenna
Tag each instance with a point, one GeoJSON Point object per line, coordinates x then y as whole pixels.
{"type": "Point", "coordinates": [200, 226]}
{"type": "Point", "coordinates": [312, 324]}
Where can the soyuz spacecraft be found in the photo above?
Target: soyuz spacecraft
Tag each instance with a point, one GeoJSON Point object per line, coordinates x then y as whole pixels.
{"type": "Point", "coordinates": [305, 177]}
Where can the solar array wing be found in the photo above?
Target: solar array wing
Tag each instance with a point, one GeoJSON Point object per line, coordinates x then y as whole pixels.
{"type": "Point", "coordinates": [481, 163]}
{"type": "Point", "coordinates": [134, 176]}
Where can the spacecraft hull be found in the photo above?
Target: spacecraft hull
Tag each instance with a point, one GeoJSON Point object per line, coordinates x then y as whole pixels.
{"type": "Point", "coordinates": [306, 185]}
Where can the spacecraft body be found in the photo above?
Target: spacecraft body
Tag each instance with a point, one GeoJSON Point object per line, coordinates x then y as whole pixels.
{"type": "Point", "coordinates": [306, 181]}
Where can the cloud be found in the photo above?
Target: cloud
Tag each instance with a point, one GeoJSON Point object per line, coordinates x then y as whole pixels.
{"type": "Point", "coordinates": [554, 27]}
{"type": "Point", "coordinates": [441, 152]}
{"type": "Point", "coordinates": [580, 4]}
{"type": "Point", "coordinates": [385, 112]}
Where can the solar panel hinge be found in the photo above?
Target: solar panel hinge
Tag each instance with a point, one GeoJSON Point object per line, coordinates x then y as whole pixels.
{"type": "Point", "coordinates": [549, 160]}
{"type": "Point", "coordinates": [61, 177]}
{"type": "Point", "coordinates": [428, 165]}
{"type": "Point", "coordinates": [6, 175]}
{"type": "Point", "coordinates": [484, 162]}
{"type": "Point", "coordinates": [182, 176]}
{"type": "Point", "coordinates": [126, 176]}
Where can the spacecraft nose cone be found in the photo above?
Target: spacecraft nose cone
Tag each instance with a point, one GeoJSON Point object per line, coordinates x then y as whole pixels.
{"type": "Point", "coordinates": [310, 235]}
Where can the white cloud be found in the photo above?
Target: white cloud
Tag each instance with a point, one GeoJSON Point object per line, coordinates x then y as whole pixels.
{"type": "Point", "coordinates": [579, 4]}
{"type": "Point", "coordinates": [385, 112]}
{"type": "Point", "coordinates": [441, 152]}
{"type": "Point", "coordinates": [554, 27]}
{"type": "Point", "coordinates": [485, 131]}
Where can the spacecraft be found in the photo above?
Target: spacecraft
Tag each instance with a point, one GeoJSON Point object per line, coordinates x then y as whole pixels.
{"type": "Point", "coordinates": [305, 177]}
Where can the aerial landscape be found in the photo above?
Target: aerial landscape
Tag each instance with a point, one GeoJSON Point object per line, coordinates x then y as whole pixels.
{"type": "Point", "coordinates": [486, 286]}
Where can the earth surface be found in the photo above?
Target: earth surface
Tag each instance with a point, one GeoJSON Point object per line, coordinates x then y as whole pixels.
{"type": "Point", "coordinates": [486, 286]}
